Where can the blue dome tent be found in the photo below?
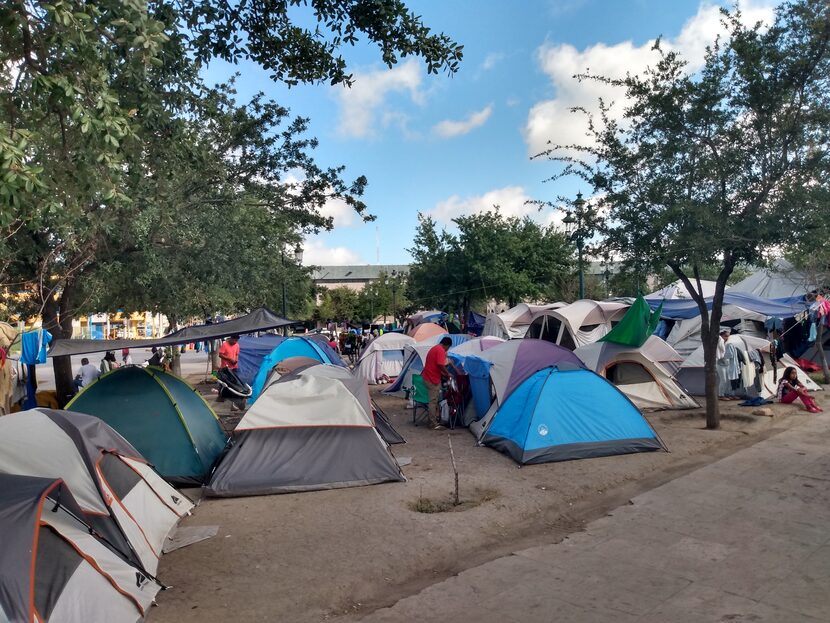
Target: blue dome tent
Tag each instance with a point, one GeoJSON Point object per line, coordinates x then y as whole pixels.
{"type": "Point", "coordinates": [297, 346]}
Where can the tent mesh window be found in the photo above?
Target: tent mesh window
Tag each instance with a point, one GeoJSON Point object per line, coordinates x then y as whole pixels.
{"type": "Point", "coordinates": [628, 373]}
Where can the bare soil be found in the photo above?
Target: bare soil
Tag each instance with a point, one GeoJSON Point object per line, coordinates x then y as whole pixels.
{"type": "Point", "coordinates": [339, 554]}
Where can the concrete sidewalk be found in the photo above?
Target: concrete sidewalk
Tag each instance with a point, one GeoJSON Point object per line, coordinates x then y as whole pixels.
{"type": "Point", "coordinates": [743, 539]}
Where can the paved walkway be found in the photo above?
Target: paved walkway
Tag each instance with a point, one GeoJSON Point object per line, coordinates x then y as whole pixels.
{"type": "Point", "coordinates": [743, 539]}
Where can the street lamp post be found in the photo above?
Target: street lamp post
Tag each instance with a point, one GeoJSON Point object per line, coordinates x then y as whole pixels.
{"type": "Point", "coordinates": [394, 299]}
{"type": "Point", "coordinates": [578, 227]}
{"type": "Point", "coordinates": [298, 258]}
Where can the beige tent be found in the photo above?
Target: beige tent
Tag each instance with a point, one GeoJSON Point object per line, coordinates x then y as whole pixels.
{"type": "Point", "coordinates": [514, 322]}
{"type": "Point", "coordinates": [580, 323]}
{"type": "Point", "coordinates": [643, 374]}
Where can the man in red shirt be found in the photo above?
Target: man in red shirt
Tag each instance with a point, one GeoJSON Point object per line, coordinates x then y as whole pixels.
{"type": "Point", "coordinates": [435, 370]}
{"type": "Point", "coordinates": [229, 353]}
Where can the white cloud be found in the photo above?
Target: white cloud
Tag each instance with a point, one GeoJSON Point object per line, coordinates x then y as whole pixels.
{"type": "Point", "coordinates": [317, 253]}
{"type": "Point", "coordinates": [551, 120]}
{"type": "Point", "coordinates": [491, 60]}
{"type": "Point", "coordinates": [448, 128]}
{"type": "Point", "coordinates": [511, 201]}
{"type": "Point", "coordinates": [360, 103]}
{"type": "Point", "coordinates": [342, 213]}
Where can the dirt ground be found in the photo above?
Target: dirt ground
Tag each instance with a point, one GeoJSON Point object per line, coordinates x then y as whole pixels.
{"type": "Point", "coordinates": [337, 555]}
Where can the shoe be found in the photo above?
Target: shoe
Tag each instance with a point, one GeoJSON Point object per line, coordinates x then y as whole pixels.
{"type": "Point", "coordinates": [439, 427]}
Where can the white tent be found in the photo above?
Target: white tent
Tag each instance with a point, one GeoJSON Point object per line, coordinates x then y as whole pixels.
{"type": "Point", "coordinates": [685, 338]}
{"type": "Point", "coordinates": [383, 357]}
{"type": "Point", "coordinates": [580, 323]}
{"type": "Point", "coordinates": [781, 280]}
{"type": "Point", "coordinates": [514, 322]}
{"type": "Point", "coordinates": [641, 373]}
{"type": "Point", "coordinates": [691, 374]}
{"type": "Point", "coordinates": [312, 429]}
{"type": "Point", "coordinates": [678, 290]}
{"type": "Point", "coordinates": [121, 496]}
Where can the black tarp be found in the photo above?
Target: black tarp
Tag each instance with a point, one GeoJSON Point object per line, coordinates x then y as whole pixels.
{"type": "Point", "coordinates": [258, 320]}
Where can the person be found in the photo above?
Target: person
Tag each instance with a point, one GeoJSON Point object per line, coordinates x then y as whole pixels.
{"type": "Point", "coordinates": [333, 343]}
{"type": "Point", "coordinates": [229, 353]}
{"type": "Point", "coordinates": [790, 388]}
{"type": "Point", "coordinates": [157, 358]}
{"type": "Point", "coordinates": [126, 358]}
{"type": "Point", "coordinates": [87, 373]}
{"type": "Point", "coordinates": [435, 371]}
{"type": "Point", "coordinates": [728, 369]}
{"type": "Point", "coordinates": [108, 363]}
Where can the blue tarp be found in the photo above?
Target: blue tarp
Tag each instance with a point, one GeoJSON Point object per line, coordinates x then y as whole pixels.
{"type": "Point", "coordinates": [252, 350]}
{"type": "Point", "coordinates": [475, 322]}
{"type": "Point", "coordinates": [682, 309]}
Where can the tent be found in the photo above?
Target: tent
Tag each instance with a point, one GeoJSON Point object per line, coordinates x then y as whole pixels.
{"type": "Point", "coordinates": [496, 372]}
{"type": "Point", "coordinates": [692, 377]}
{"type": "Point", "coordinates": [55, 567]}
{"type": "Point", "coordinates": [416, 357]}
{"type": "Point", "coordinates": [252, 350]}
{"type": "Point", "coordinates": [475, 322]}
{"type": "Point", "coordinates": [426, 330]}
{"type": "Point", "coordinates": [565, 412]}
{"type": "Point", "coordinates": [383, 357]}
{"type": "Point", "coordinates": [514, 322]}
{"type": "Point", "coordinates": [120, 496]}
{"type": "Point", "coordinates": [258, 320]}
{"type": "Point", "coordinates": [312, 429]}
{"type": "Point", "coordinates": [162, 416]}
{"type": "Point", "coordinates": [577, 324]}
{"type": "Point", "coordinates": [678, 290]}
{"type": "Point", "coordinates": [297, 346]}
{"type": "Point", "coordinates": [780, 281]}
{"type": "Point", "coordinates": [643, 373]}
{"type": "Point", "coordinates": [415, 320]}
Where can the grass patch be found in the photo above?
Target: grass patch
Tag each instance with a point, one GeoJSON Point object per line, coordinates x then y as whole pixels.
{"type": "Point", "coordinates": [818, 377]}
{"type": "Point", "coordinates": [446, 505]}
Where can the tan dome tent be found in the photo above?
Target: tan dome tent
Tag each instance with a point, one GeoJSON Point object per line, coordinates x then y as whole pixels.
{"type": "Point", "coordinates": [641, 373]}
{"type": "Point", "coordinates": [312, 429]}
{"type": "Point", "coordinates": [119, 493]}
{"type": "Point", "coordinates": [513, 323]}
{"type": "Point", "coordinates": [55, 566]}
{"type": "Point", "coordinates": [580, 323]}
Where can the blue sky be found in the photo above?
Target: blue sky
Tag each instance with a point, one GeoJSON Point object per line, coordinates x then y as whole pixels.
{"type": "Point", "coordinates": [452, 145]}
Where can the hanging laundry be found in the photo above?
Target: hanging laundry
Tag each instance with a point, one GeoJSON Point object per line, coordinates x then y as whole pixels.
{"type": "Point", "coordinates": [34, 346]}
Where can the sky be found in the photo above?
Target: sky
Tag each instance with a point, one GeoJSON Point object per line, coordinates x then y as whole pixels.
{"type": "Point", "coordinates": [455, 145]}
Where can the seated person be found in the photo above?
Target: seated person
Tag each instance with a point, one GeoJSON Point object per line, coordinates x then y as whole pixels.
{"type": "Point", "coordinates": [790, 388]}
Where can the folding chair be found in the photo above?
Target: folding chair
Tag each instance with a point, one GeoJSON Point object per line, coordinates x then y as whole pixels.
{"type": "Point", "coordinates": [420, 398]}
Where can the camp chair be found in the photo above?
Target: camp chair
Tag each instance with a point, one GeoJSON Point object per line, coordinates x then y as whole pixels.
{"type": "Point", "coordinates": [420, 398]}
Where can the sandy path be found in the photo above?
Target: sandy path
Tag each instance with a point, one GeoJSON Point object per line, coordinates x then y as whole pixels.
{"type": "Point", "coordinates": [328, 554]}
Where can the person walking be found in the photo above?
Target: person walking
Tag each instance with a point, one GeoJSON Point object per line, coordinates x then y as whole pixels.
{"type": "Point", "coordinates": [435, 371]}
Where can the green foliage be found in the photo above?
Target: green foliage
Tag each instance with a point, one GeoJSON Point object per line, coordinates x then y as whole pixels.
{"type": "Point", "coordinates": [338, 304]}
{"type": "Point", "coordinates": [712, 168]}
{"type": "Point", "coordinates": [386, 296]}
{"type": "Point", "coordinates": [491, 257]}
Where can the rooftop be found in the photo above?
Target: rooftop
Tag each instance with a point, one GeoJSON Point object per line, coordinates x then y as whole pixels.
{"type": "Point", "coordinates": [364, 272]}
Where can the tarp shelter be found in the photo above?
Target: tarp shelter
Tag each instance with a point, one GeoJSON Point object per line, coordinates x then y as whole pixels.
{"type": "Point", "coordinates": [496, 372]}
{"type": "Point", "coordinates": [55, 567]}
{"type": "Point", "coordinates": [692, 375]}
{"type": "Point", "coordinates": [643, 373]}
{"type": "Point", "coordinates": [297, 346]}
{"type": "Point", "coordinates": [682, 309]}
{"type": "Point", "coordinates": [565, 412]}
{"type": "Point", "coordinates": [780, 281]}
{"type": "Point", "coordinates": [383, 357]}
{"type": "Point", "coordinates": [514, 322]}
{"type": "Point", "coordinates": [678, 290]}
{"type": "Point", "coordinates": [425, 331]}
{"type": "Point", "coordinates": [121, 497]}
{"type": "Point", "coordinates": [260, 319]}
{"type": "Point", "coordinates": [160, 415]}
{"type": "Point", "coordinates": [580, 323]}
{"type": "Point", "coordinates": [307, 431]}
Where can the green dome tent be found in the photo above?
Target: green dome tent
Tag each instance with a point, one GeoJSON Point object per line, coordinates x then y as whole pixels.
{"type": "Point", "coordinates": [161, 416]}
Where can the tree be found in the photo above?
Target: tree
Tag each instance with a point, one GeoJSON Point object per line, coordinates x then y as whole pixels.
{"type": "Point", "coordinates": [491, 257]}
{"type": "Point", "coordinates": [707, 168]}
{"type": "Point", "coordinates": [338, 304]}
{"type": "Point", "coordinates": [94, 97]}
{"type": "Point", "coordinates": [385, 296]}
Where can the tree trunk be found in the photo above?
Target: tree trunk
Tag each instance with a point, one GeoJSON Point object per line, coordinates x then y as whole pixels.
{"type": "Point", "coordinates": [710, 371]}
{"type": "Point", "coordinates": [821, 354]}
{"type": "Point", "coordinates": [56, 318]}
